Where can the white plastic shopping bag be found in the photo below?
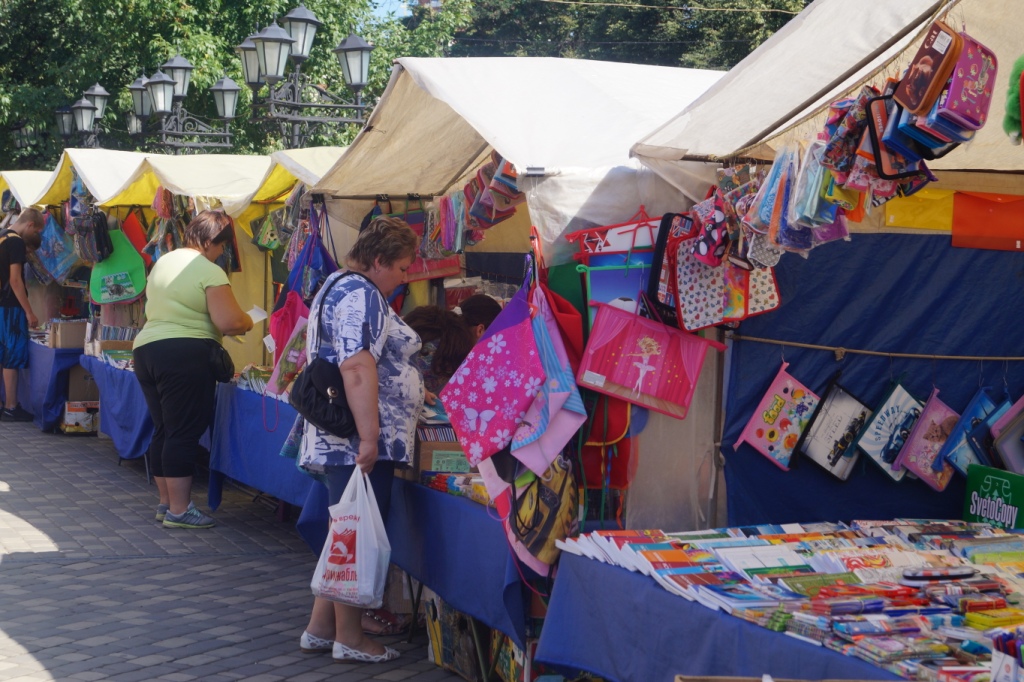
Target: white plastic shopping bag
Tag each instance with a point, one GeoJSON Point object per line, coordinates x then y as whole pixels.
{"type": "Point", "coordinates": [354, 562]}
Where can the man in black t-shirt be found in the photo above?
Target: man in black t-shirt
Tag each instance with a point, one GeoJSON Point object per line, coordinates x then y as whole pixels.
{"type": "Point", "coordinates": [16, 314]}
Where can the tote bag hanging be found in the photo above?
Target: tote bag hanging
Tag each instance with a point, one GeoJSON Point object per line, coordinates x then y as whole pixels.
{"type": "Point", "coordinates": [643, 361]}
{"type": "Point", "coordinates": [494, 386]}
{"type": "Point", "coordinates": [557, 411]}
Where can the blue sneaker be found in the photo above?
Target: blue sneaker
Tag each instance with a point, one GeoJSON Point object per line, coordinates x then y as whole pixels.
{"type": "Point", "coordinates": [191, 518]}
{"type": "Point", "coordinates": [161, 511]}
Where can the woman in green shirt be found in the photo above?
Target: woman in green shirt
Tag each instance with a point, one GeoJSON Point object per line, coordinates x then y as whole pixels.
{"type": "Point", "coordinates": [189, 306]}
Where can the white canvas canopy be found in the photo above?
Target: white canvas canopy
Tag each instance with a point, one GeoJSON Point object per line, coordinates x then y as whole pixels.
{"type": "Point", "coordinates": [26, 185]}
{"type": "Point", "coordinates": [227, 180]}
{"type": "Point", "coordinates": [565, 124]}
{"type": "Point", "coordinates": [830, 49]}
{"type": "Point", "coordinates": [103, 172]}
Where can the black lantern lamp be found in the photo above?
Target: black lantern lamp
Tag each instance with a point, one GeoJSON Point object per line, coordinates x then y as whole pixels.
{"type": "Point", "coordinates": [65, 121]}
{"type": "Point", "coordinates": [84, 113]}
{"type": "Point", "coordinates": [180, 71]}
{"type": "Point", "coordinates": [142, 104]}
{"type": "Point", "coordinates": [354, 56]}
{"type": "Point", "coordinates": [136, 124]}
{"type": "Point", "coordinates": [161, 89]}
{"type": "Point", "coordinates": [273, 46]}
{"type": "Point", "coordinates": [225, 96]}
{"type": "Point", "coordinates": [251, 72]}
{"type": "Point", "coordinates": [98, 96]}
{"type": "Point", "coordinates": [301, 24]}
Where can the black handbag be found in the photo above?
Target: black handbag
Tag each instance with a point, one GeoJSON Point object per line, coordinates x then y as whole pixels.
{"type": "Point", "coordinates": [318, 393]}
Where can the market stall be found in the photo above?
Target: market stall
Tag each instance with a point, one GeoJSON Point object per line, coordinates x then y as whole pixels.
{"type": "Point", "coordinates": [567, 134]}
{"type": "Point", "coordinates": [860, 321]}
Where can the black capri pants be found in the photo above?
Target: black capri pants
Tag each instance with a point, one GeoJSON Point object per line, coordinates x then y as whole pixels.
{"type": "Point", "coordinates": [177, 380]}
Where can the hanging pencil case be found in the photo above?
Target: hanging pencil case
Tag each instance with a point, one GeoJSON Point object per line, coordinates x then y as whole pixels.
{"type": "Point", "coordinates": [930, 69]}
{"type": "Point", "coordinates": [939, 122]}
{"type": "Point", "coordinates": [898, 142]}
{"type": "Point", "coordinates": [970, 86]}
{"type": "Point", "coordinates": [913, 127]}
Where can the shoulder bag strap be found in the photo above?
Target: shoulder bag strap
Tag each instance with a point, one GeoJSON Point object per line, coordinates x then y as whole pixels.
{"type": "Point", "coordinates": [320, 313]}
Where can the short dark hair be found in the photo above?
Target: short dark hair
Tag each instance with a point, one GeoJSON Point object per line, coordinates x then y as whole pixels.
{"type": "Point", "coordinates": [212, 226]}
{"type": "Point", "coordinates": [479, 309]}
{"type": "Point", "coordinates": [453, 337]}
{"type": "Point", "coordinates": [385, 239]}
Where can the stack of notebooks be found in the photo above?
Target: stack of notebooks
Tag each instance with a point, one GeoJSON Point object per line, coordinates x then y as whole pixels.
{"type": "Point", "coordinates": [908, 595]}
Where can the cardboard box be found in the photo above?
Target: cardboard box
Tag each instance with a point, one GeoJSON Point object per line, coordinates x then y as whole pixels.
{"type": "Point", "coordinates": [81, 386]}
{"type": "Point", "coordinates": [994, 496]}
{"type": "Point", "coordinates": [115, 345]}
{"type": "Point", "coordinates": [81, 417]}
{"type": "Point", "coordinates": [69, 334]}
{"type": "Point", "coordinates": [430, 454]}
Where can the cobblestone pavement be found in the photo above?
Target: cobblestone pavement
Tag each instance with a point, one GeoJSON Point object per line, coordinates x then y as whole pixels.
{"type": "Point", "coordinates": [93, 588]}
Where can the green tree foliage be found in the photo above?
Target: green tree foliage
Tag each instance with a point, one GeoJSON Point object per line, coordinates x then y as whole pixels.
{"type": "Point", "coordinates": [52, 50]}
{"type": "Point", "coordinates": [711, 34]}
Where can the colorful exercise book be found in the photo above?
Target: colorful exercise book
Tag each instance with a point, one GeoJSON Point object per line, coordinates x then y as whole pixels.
{"type": "Point", "coordinates": [921, 449]}
{"type": "Point", "coordinates": [812, 583]}
{"type": "Point", "coordinates": [736, 595]}
{"type": "Point", "coordinates": [888, 428]}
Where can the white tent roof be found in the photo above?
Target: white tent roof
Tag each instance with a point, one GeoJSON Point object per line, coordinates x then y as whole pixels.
{"type": "Point", "coordinates": [310, 164]}
{"type": "Point", "coordinates": [831, 49]}
{"type": "Point", "coordinates": [103, 171]}
{"type": "Point", "coordinates": [434, 120]}
{"type": "Point", "coordinates": [230, 179]}
{"type": "Point", "coordinates": [819, 53]}
{"type": "Point", "coordinates": [562, 121]}
{"type": "Point", "coordinates": [25, 185]}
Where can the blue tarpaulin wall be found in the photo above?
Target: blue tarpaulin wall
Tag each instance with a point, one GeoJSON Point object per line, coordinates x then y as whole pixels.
{"type": "Point", "coordinates": [898, 293]}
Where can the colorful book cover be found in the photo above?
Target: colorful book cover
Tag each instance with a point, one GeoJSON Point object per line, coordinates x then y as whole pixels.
{"type": "Point", "coordinates": [957, 452]}
{"type": "Point", "coordinates": [812, 583]}
{"type": "Point", "coordinates": [832, 430]}
{"type": "Point", "coordinates": [780, 418]}
{"type": "Point", "coordinates": [883, 436]}
{"type": "Point", "coordinates": [930, 433]}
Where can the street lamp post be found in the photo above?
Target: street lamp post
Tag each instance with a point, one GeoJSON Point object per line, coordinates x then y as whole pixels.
{"type": "Point", "coordinates": [161, 97]}
{"type": "Point", "coordinates": [83, 116]}
{"type": "Point", "coordinates": [299, 106]}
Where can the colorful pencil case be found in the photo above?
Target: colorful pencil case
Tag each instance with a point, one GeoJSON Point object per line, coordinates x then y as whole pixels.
{"type": "Point", "coordinates": [930, 69]}
{"type": "Point", "coordinates": [939, 122]}
{"type": "Point", "coordinates": [970, 87]}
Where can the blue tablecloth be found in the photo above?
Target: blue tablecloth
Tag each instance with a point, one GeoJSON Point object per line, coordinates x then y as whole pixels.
{"type": "Point", "coordinates": [450, 544]}
{"type": "Point", "coordinates": [43, 386]}
{"type": "Point", "coordinates": [123, 412]}
{"type": "Point", "coordinates": [623, 626]}
{"type": "Point", "coordinates": [247, 435]}
{"type": "Point", "coordinates": [458, 549]}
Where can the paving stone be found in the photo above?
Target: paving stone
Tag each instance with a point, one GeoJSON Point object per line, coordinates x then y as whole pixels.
{"type": "Point", "coordinates": [97, 589]}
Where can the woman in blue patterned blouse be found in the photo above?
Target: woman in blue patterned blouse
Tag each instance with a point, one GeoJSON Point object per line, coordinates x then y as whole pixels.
{"type": "Point", "coordinates": [374, 349]}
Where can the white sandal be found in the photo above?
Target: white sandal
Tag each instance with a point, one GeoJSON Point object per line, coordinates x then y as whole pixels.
{"type": "Point", "coordinates": [344, 654]}
{"type": "Point", "coordinates": [311, 644]}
